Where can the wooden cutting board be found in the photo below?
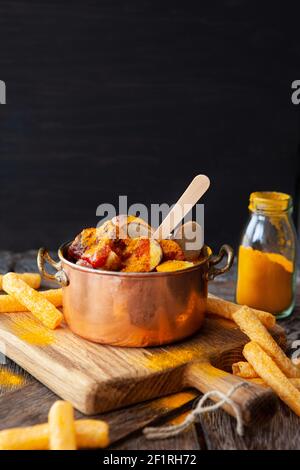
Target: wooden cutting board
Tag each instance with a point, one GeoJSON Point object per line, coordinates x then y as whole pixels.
{"type": "Point", "coordinates": [98, 378]}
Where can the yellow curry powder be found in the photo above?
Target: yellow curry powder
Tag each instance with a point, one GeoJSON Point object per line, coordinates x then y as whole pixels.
{"type": "Point", "coordinates": [168, 359]}
{"type": "Point", "coordinates": [10, 379]}
{"type": "Point", "coordinates": [172, 402]}
{"type": "Point", "coordinates": [176, 400]}
{"type": "Point", "coordinates": [178, 419]}
{"type": "Point", "coordinates": [32, 332]}
{"type": "Point", "coordinates": [265, 280]}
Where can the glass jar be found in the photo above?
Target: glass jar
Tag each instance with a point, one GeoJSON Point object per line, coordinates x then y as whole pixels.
{"type": "Point", "coordinates": [267, 255]}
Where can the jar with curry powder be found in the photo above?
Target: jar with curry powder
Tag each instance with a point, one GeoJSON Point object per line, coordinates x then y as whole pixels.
{"type": "Point", "coordinates": [267, 255]}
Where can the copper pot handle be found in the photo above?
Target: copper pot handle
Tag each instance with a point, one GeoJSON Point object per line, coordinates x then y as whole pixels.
{"type": "Point", "coordinates": [212, 272]}
{"type": "Point", "coordinates": [60, 276]}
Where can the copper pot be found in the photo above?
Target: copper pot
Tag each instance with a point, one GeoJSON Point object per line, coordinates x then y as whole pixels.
{"type": "Point", "coordinates": [134, 309]}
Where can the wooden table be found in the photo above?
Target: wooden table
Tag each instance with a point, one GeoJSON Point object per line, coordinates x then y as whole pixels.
{"type": "Point", "coordinates": [30, 403]}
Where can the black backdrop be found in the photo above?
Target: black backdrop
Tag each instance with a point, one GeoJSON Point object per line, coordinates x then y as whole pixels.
{"type": "Point", "coordinates": [118, 97]}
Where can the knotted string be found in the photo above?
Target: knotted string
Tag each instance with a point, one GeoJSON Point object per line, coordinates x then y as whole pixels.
{"type": "Point", "coordinates": [173, 430]}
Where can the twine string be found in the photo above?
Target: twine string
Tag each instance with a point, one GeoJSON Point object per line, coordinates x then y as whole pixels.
{"type": "Point", "coordinates": [164, 432]}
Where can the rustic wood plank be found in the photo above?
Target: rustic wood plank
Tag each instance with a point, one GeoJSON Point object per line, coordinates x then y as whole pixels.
{"type": "Point", "coordinates": [282, 433]}
{"type": "Point", "coordinates": [135, 418]}
{"type": "Point", "coordinates": [187, 440]}
{"type": "Point", "coordinates": [78, 370]}
{"type": "Point", "coordinates": [30, 405]}
{"type": "Point", "coordinates": [82, 372]}
{"type": "Point", "coordinates": [191, 439]}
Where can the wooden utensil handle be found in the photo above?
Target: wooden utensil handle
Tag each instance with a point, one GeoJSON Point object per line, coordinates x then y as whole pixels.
{"type": "Point", "coordinates": [256, 403]}
{"type": "Point", "coordinates": [185, 203]}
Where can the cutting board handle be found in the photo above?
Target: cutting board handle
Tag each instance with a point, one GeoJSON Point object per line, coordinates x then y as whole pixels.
{"type": "Point", "coordinates": [257, 404]}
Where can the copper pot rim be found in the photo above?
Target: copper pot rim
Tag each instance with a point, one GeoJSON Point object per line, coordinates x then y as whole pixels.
{"type": "Point", "coordinates": [152, 274]}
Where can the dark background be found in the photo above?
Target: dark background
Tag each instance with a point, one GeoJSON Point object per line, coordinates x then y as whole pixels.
{"type": "Point", "coordinates": [107, 98]}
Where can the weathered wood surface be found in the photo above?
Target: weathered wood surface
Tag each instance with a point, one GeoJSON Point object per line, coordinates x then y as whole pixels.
{"type": "Point", "coordinates": [215, 431]}
{"type": "Point", "coordinates": [31, 403]}
{"type": "Point", "coordinates": [97, 378]}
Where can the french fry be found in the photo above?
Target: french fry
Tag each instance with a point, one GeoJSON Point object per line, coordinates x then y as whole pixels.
{"type": "Point", "coordinates": [32, 279]}
{"type": "Point", "coordinates": [267, 369]}
{"type": "Point", "coordinates": [260, 381]}
{"type": "Point", "coordinates": [33, 300]}
{"type": "Point", "coordinates": [62, 434]}
{"type": "Point", "coordinates": [226, 309]}
{"type": "Point", "coordinates": [8, 304]}
{"type": "Point", "coordinates": [243, 369]}
{"type": "Point", "coordinates": [246, 371]}
{"type": "Point", "coordinates": [90, 434]}
{"type": "Point", "coordinates": [250, 324]}
{"type": "Point", "coordinates": [29, 438]}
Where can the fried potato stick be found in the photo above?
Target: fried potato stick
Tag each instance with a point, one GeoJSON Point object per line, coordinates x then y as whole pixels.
{"type": "Point", "coordinates": [243, 369]}
{"type": "Point", "coordinates": [33, 300]}
{"type": "Point", "coordinates": [8, 303]}
{"type": "Point", "coordinates": [272, 375]}
{"type": "Point", "coordinates": [225, 309]}
{"type": "Point", "coordinates": [62, 434]}
{"type": "Point", "coordinates": [250, 324]}
{"type": "Point", "coordinates": [90, 434]}
{"type": "Point", "coordinates": [32, 279]}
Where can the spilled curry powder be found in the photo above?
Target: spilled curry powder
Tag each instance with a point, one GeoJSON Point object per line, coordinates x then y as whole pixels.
{"type": "Point", "coordinates": [178, 419]}
{"type": "Point", "coordinates": [172, 402]}
{"type": "Point", "coordinates": [167, 359]}
{"type": "Point", "coordinates": [10, 379]}
{"type": "Point", "coordinates": [31, 331]}
{"type": "Point", "coordinates": [176, 400]}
